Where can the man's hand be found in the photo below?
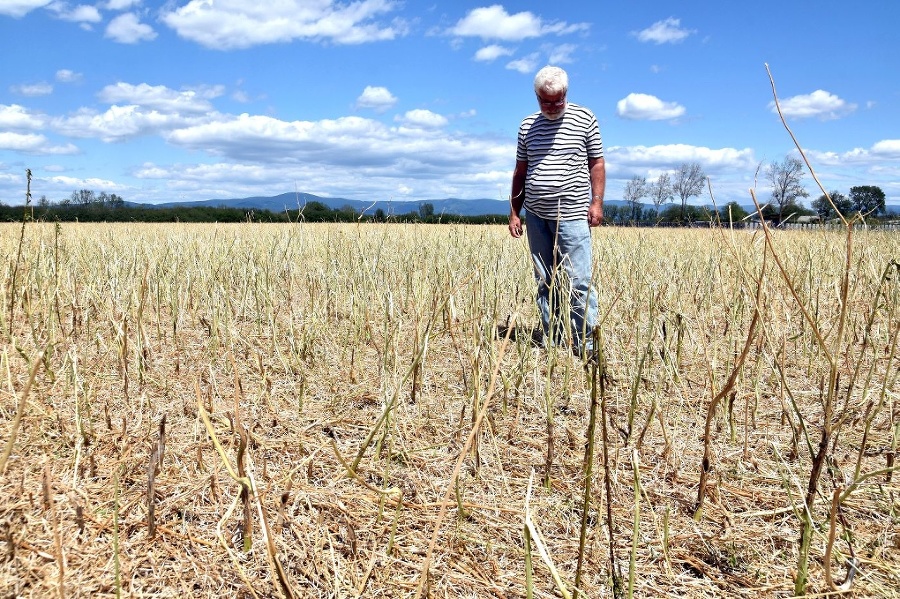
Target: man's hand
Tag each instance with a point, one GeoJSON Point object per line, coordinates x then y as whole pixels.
{"type": "Point", "coordinates": [515, 225]}
{"type": "Point", "coordinates": [595, 214]}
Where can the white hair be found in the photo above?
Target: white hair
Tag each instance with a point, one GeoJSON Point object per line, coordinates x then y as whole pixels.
{"type": "Point", "coordinates": [551, 79]}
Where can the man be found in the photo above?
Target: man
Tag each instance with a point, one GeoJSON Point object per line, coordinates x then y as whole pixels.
{"type": "Point", "coordinates": [560, 180]}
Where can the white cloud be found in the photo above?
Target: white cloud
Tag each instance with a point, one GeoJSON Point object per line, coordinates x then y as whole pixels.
{"type": "Point", "coordinates": [32, 143]}
{"type": "Point", "coordinates": [492, 52]}
{"type": "Point", "coordinates": [20, 8]}
{"type": "Point", "coordinates": [161, 98]}
{"type": "Point", "coordinates": [422, 119]}
{"type": "Point", "coordinates": [17, 118]}
{"type": "Point", "coordinates": [525, 65]}
{"type": "Point", "coordinates": [562, 54]}
{"type": "Point", "coordinates": [493, 22]}
{"type": "Point", "coordinates": [82, 13]}
{"type": "Point", "coordinates": [119, 123]}
{"type": "Point", "coordinates": [230, 24]}
{"type": "Point", "coordinates": [33, 89]}
{"type": "Point", "coordinates": [366, 145]}
{"type": "Point", "coordinates": [67, 76]}
{"type": "Point", "coordinates": [376, 98]}
{"type": "Point", "coordinates": [121, 4]}
{"type": "Point", "coordinates": [886, 150]}
{"type": "Point", "coordinates": [820, 104]}
{"type": "Point", "coordinates": [887, 147]}
{"type": "Point", "coordinates": [672, 155]}
{"type": "Point", "coordinates": [89, 183]}
{"type": "Point", "coordinates": [668, 31]}
{"type": "Point", "coordinates": [128, 29]}
{"type": "Point", "coordinates": [644, 107]}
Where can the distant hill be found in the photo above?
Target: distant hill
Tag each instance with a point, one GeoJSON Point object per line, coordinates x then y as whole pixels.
{"type": "Point", "coordinates": [293, 201]}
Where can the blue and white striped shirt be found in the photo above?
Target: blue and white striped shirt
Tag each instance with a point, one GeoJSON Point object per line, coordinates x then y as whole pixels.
{"type": "Point", "coordinates": [558, 184]}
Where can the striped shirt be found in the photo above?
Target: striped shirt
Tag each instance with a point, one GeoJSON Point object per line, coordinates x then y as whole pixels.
{"type": "Point", "coordinates": [558, 184]}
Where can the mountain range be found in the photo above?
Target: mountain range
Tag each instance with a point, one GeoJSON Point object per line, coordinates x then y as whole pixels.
{"type": "Point", "coordinates": [296, 200]}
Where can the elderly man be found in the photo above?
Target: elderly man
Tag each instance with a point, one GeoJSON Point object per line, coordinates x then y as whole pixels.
{"type": "Point", "coordinates": [560, 179]}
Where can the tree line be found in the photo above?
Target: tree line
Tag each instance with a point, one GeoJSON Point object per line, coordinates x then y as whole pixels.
{"type": "Point", "coordinates": [686, 182]}
{"type": "Point", "coordinates": [87, 206]}
{"type": "Point", "coordinates": [786, 178]}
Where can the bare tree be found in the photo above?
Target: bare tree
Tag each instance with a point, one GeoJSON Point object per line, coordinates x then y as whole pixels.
{"type": "Point", "coordinates": [660, 191]}
{"type": "Point", "coordinates": [688, 182]}
{"type": "Point", "coordinates": [785, 177]}
{"type": "Point", "coordinates": [635, 189]}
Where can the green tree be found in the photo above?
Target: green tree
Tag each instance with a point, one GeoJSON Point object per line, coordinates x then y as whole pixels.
{"type": "Point", "coordinates": [867, 199]}
{"type": "Point", "coordinates": [786, 178]}
{"type": "Point", "coordinates": [824, 209]}
{"type": "Point", "coordinates": [732, 212]}
{"type": "Point", "coordinates": [688, 183]}
{"type": "Point", "coordinates": [425, 210]}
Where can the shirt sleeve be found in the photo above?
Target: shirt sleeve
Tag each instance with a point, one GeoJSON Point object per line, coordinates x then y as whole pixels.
{"type": "Point", "coordinates": [594, 142]}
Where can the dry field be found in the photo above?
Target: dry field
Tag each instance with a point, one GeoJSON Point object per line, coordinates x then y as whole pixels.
{"type": "Point", "coordinates": [358, 411]}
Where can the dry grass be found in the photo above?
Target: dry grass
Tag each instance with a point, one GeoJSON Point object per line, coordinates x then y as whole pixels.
{"type": "Point", "coordinates": [303, 342]}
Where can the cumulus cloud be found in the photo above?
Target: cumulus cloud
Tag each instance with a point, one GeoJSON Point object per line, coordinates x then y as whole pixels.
{"type": "Point", "coordinates": [644, 107]}
{"type": "Point", "coordinates": [86, 183]}
{"type": "Point", "coordinates": [422, 119]}
{"type": "Point", "coordinates": [668, 31]}
{"type": "Point", "coordinates": [161, 98]}
{"type": "Point", "coordinates": [819, 104]}
{"type": "Point", "coordinates": [128, 29]}
{"type": "Point", "coordinates": [83, 13]}
{"type": "Point", "coordinates": [886, 150]}
{"type": "Point", "coordinates": [33, 143]}
{"type": "Point", "coordinates": [672, 155]}
{"type": "Point", "coordinates": [562, 54]}
{"type": "Point", "coordinates": [492, 52]}
{"type": "Point", "coordinates": [887, 147]}
{"type": "Point", "coordinates": [32, 89]}
{"type": "Point", "coordinates": [119, 123]}
{"type": "Point", "coordinates": [67, 76]}
{"type": "Point", "coordinates": [376, 98]}
{"type": "Point", "coordinates": [17, 118]}
{"type": "Point", "coordinates": [121, 4]}
{"type": "Point", "coordinates": [525, 65]}
{"type": "Point", "coordinates": [20, 8]}
{"type": "Point", "coordinates": [493, 22]}
{"type": "Point", "coordinates": [230, 24]}
{"type": "Point", "coordinates": [363, 144]}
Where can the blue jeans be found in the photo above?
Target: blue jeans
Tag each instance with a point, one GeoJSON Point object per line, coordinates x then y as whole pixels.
{"type": "Point", "coordinates": [557, 247]}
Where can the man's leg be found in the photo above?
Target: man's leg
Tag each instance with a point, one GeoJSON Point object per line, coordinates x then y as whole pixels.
{"type": "Point", "coordinates": [574, 241]}
{"type": "Point", "coordinates": [541, 234]}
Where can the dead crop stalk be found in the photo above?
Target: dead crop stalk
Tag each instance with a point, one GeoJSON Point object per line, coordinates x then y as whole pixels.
{"type": "Point", "coordinates": [614, 569]}
{"type": "Point", "coordinates": [20, 411]}
{"type": "Point", "coordinates": [831, 353]}
{"type": "Point", "coordinates": [706, 464]}
{"type": "Point", "coordinates": [12, 285]}
{"type": "Point", "coordinates": [598, 370]}
{"type": "Point", "coordinates": [153, 468]}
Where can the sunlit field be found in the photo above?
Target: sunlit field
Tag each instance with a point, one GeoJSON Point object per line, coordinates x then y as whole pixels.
{"type": "Point", "coordinates": [360, 411]}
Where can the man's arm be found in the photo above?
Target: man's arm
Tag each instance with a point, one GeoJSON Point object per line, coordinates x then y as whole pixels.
{"type": "Point", "coordinates": [597, 168]}
{"type": "Point", "coordinates": [517, 198]}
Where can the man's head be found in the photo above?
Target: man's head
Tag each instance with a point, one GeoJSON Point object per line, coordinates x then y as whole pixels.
{"type": "Point", "coordinates": [550, 86]}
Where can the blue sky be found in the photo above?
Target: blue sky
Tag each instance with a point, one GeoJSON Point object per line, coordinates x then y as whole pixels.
{"type": "Point", "coordinates": [382, 99]}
